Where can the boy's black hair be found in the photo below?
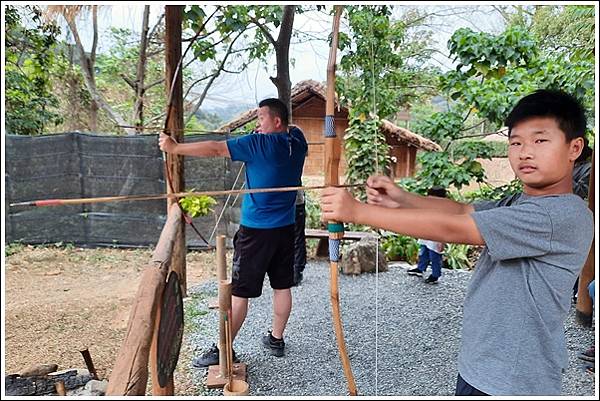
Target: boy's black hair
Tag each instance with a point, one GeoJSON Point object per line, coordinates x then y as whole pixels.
{"type": "Point", "coordinates": [440, 192]}
{"type": "Point", "coordinates": [277, 108]}
{"type": "Point", "coordinates": [565, 108]}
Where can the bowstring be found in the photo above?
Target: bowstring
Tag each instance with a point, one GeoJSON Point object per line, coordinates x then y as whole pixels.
{"type": "Point", "coordinates": [372, 39]}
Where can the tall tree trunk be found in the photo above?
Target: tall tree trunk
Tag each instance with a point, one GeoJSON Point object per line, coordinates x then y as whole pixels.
{"type": "Point", "coordinates": [174, 125]}
{"type": "Point", "coordinates": [282, 55]}
{"type": "Point", "coordinates": [140, 90]}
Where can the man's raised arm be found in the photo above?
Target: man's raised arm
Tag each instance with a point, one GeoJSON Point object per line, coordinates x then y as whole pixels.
{"type": "Point", "coordinates": [198, 149]}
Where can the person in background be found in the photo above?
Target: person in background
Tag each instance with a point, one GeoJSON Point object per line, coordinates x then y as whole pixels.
{"type": "Point", "coordinates": [264, 243]}
{"type": "Point", "coordinates": [299, 239]}
{"type": "Point", "coordinates": [430, 252]}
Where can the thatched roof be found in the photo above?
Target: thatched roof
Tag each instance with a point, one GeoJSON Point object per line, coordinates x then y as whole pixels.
{"type": "Point", "coordinates": [404, 135]}
{"type": "Point", "coordinates": [305, 89]}
{"type": "Point", "coordinates": [300, 92]}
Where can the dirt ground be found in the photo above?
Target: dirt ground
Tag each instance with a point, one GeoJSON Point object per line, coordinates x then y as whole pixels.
{"type": "Point", "coordinates": [60, 299]}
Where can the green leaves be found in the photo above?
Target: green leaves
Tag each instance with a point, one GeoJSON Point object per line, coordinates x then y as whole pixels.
{"type": "Point", "coordinates": [379, 60]}
{"type": "Point", "coordinates": [197, 205]}
{"type": "Point", "coordinates": [400, 247]}
{"type": "Point", "coordinates": [30, 44]}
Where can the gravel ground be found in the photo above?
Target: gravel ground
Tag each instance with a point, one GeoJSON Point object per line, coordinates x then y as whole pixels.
{"type": "Point", "coordinates": [417, 336]}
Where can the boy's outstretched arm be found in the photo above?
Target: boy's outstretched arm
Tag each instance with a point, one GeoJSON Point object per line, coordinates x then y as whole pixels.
{"type": "Point", "coordinates": [199, 149]}
{"type": "Point", "coordinates": [337, 204]}
{"type": "Point", "coordinates": [382, 191]}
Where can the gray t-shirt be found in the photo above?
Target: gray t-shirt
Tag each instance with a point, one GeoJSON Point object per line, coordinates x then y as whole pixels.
{"type": "Point", "coordinates": [520, 293]}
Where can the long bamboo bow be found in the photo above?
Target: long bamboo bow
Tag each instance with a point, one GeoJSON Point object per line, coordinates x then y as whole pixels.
{"type": "Point", "coordinates": [336, 230]}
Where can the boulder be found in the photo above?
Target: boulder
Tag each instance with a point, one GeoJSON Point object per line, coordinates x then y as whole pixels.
{"type": "Point", "coordinates": [360, 257]}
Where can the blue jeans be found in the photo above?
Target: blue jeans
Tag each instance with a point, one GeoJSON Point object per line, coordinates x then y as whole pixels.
{"type": "Point", "coordinates": [592, 290]}
{"type": "Point", "coordinates": [427, 256]}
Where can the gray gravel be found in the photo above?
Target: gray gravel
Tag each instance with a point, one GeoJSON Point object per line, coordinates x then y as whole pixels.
{"type": "Point", "coordinates": [417, 336]}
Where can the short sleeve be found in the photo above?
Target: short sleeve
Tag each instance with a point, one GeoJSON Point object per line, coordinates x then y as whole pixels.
{"type": "Point", "coordinates": [506, 201]}
{"type": "Point", "coordinates": [519, 231]}
{"type": "Point", "coordinates": [243, 148]}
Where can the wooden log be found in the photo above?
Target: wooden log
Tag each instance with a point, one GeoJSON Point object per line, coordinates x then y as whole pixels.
{"type": "Point", "coordinates": [45, 384]}
{"type": "Point", "coordinates": [584, 308]}
{"type": "Point", "coordinates": [60, 387]}
{"type": "Point", "coordinates": [130, 373]}
{"type": "Point", "coordinates": [39, 370]}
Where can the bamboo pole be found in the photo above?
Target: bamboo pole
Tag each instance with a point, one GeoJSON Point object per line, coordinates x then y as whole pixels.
{"type": "Point", "coordinates": [224, 307]}
{"type": "Point", "coordinates": [224, 297]}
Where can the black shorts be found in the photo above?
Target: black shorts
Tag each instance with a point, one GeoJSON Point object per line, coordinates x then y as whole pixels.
{"type": "Point", "coordinates": [258, 251]}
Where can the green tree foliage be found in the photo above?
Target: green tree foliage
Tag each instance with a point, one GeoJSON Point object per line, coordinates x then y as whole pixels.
{"type": "Point", "coordinates": [493, 73]}
{"type": "Point", "coordinates": [119, 63]}
{"type": "Point", "coordinates": [30, 104]}
{"type": "Point", "coordinates": [380, 63]}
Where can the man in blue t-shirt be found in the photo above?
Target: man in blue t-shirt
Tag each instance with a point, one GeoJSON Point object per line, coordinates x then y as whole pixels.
{"type": "Point", "coordinates": [264, 243]}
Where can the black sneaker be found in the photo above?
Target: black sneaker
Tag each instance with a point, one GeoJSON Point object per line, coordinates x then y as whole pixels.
{"type": "Point", "coordinates": [210, 357]}
{"type": "Point", "coordinates": [415, 272]}
{"type": "Point", "coordinates": [431, 280]}
{"type": "Point", "coordinates": [277, 346]}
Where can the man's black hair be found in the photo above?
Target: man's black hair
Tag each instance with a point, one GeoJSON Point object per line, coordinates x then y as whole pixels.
{"type": "Point", "coordinates": [277, 108]}
{"type": "Point", "coordinates": [440, 192]}
{"type": "Point", "coordinates": [565, 108]}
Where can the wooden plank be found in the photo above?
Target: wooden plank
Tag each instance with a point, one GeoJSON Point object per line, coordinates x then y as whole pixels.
{"type": "Point", "coordinates": [216, 380]}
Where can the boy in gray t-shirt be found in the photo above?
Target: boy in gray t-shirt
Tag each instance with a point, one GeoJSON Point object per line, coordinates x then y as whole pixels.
{"type": "Point", "coordinates": [519, 295]}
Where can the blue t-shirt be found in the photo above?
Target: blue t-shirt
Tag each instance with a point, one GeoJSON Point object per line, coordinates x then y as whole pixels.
{"type": "Point", "coordinates": [272, 160]}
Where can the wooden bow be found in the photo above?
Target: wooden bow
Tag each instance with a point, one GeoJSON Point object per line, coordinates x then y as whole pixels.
{"type": "Point", "coordinates": [336, 230]}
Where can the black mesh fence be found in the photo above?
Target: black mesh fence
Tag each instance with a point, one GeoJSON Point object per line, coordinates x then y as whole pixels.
{"type": "Point", "coordinates": [76, 165]}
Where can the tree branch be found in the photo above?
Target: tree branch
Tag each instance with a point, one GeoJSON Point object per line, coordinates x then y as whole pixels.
{"type": "Point", "coordinates": [212, 79]}
{"type": "Point", "coordinates": [128, 80]}
{"type": "Point", "coordinates": [153, 84]}
{"type": "Point", "coordinates": [155, 27]}
{"type": "Point", "coordinates": [264, 30]}
{"type": "Point", "coordinates": [95, 38]}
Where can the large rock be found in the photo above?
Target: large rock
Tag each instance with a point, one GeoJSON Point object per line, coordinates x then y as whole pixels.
{"type": "Point", "coordinates": [360, 257]}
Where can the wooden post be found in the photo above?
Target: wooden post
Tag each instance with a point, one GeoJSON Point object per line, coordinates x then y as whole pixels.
{"type": "Point", "coordinates": [130, 373]}
{"type": "Point", "coordinates": [584, 307]}
{"type": "Point", "coordinates": [174, 87]}
{"type": "Point", "coordinates": [224, 307]}
{"type": "Point", "coordinates": [224, 300]}
{"type": "Point", "coordinates": [221, 258]}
